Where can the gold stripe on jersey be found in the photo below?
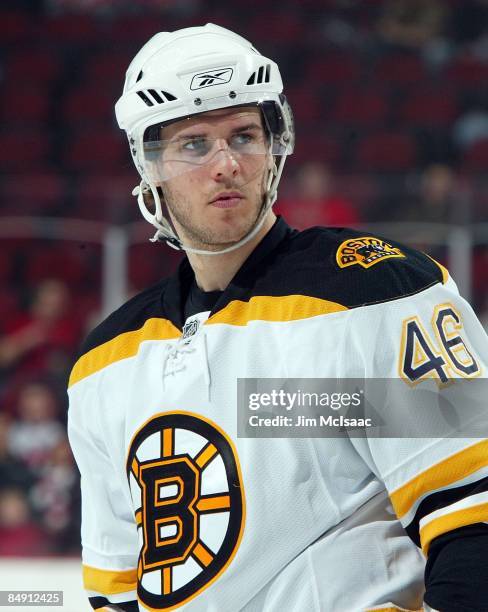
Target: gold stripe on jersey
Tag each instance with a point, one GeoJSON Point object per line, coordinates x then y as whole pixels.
{"type": "Point", "coordinates": [445, 272]}
{"type": "Point", "coordinates": [442, 474]}
{"type": "Point", "coordinates": [272, 308]}
{"type": "Point", "coordinates": [392, 609]}
{"type": "Point", "coordinates": [121, 347]}
{"type": "Point", "coordinates": [454, 520]}
{"type": "Point", "coordinates": [109, 582]}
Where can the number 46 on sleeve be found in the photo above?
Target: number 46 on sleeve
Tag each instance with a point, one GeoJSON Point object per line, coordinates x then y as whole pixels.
{"type": "Point", "coordinates": [441, 355]}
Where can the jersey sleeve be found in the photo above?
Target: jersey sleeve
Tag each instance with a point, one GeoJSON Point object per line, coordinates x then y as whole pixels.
{"type": "Point", "coordinates": [436, 484]}
{"type": "Point", "coordinates": [108, 531]}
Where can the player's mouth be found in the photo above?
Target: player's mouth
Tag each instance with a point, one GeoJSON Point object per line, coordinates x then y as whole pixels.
{"type": "Point", "coordinates": [227, 199]}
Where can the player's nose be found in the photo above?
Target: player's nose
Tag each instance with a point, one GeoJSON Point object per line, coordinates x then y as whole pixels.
{"type": "Point", "coordinates": [224, 164]}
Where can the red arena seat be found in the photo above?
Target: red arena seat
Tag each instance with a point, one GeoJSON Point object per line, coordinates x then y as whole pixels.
{"type": "Point", "coordinates": [107, 67]}
{"type": "Point", "coordinates": [288, 26]}
{"type": "Point", "coordinates": [9, 301]}
{"type": "Point", "coordinates": [306, 104]}
{"type": "Point", "coordinates": [333, 69]}
{"type": "Point", "coordinates": [386, 152]}
{"type": "Point", "coordinates": [15, 27]}
{"type": "Point", "coordinates": [106, 197]}
{"type": "Point", "coordinates": [88, 104]}
{"type": "Point", "coordinates": [64, 261]}
{"type": "Point", "coordinates": [317, 147]}
{"type": "Point", "coordinates": [140, 29]}
{"type": "Point", "coordinates": [72, 29]}
{"type": "Point", "coordinates": [399, 69]}
{"type": "Point", "coordinates": [97, 151]}
{"type": "Point", "coordinates": [430, 108]}
{"type": "Point", "coordinates": [475, 159]}
{"type": "Point", "coordinates": [360, 107]}
{"type": "Point", "coordinates": [25, 104]}
{"type": "Point", "coordinates": [146, 267]}
{"type": "Point", "coordinates": [32, 193]}
{"type": "Point", "coordinates": [22, 150]}
{"type": "Point", "coordinates": [40, 64]}
{"type": "Point", "coordinates": [468, 72]}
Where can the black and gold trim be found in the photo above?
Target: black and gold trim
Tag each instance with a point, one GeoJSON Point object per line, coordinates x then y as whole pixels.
{"type": "Point", "coordinates": [123, 346]}
{"type": "Point", "coordinates": [443, 478]}
{"type": "Point", "coordinates": [103, 604]}
{"type": "Point", "coordinates": [290, 275]}
{"type": "Point", "coordinates": [443, 474]}
{"type": "Point", "coordinates": [442, 499]}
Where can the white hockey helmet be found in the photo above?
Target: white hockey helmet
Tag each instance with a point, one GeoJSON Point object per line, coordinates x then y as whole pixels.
{"type": "Point", "coordinates": [196, 70]}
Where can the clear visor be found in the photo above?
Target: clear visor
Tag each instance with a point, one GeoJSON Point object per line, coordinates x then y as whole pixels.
{"type": "Point", "coordinates": [167, 159]}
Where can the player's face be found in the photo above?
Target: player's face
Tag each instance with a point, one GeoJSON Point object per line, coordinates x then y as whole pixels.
{"type": "Point", "coordinates": [215, 168]}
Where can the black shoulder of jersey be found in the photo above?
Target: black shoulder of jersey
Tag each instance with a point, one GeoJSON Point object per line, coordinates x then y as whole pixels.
{"type": "Point", "coordinates": [349, 267]}
{"type": "Point", "coordinates": [128, 317]}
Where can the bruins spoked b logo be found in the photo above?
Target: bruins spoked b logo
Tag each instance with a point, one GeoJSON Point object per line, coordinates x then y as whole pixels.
{"type": "Point", "coordinates": [185, 479]}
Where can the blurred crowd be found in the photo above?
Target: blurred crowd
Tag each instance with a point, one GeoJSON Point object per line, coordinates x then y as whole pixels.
{"type": "Point", "coordinates": [391, 105]}
{"type": "Point", "coordinates": [38, 480]}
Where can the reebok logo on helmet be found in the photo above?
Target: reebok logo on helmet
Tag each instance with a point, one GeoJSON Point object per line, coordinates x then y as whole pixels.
{"type": "Point", "coordinates": [211, 77]}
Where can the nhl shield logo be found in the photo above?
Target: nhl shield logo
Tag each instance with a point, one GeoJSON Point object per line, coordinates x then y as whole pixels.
{"type": "Point", "coordinates": [365, 252]}
{"type": "Point", "coordinates": [190, 328]}
{"type": "Point", "coordinates": [211, 77]}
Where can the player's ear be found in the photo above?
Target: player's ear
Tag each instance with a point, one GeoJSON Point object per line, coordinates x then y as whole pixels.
{"type": "Point", "coordinates": [162, 199]}
{"type": "Point", "coordinates": [149, 200]}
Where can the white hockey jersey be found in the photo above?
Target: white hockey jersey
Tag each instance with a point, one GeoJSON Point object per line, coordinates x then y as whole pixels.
{"type": "Point", "coordinates": [181, 513]}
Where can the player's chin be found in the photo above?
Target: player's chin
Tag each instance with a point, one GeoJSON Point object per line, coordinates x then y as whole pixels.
{"type": "Point", "coordinates": [227, 234]}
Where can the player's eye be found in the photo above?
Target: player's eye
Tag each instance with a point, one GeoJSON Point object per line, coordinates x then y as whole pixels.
{"type": "Point", "coordinates": [195, 146]}
{"type": "Point", "coordinates": [242, 139]}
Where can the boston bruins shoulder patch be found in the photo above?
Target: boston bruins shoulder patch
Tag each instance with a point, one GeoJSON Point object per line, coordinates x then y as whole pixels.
{"type": "Point", "coordinates": [365, 251]}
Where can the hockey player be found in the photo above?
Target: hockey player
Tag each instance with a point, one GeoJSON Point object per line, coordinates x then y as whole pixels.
{"type": "Point", "coordinates": [178, 511]}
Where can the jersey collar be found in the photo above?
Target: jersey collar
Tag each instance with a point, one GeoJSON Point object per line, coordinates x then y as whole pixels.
{"type": "Point", "coordinates": [178, 286]}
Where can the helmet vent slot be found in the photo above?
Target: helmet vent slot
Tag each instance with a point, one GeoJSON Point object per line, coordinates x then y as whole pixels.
{"type": "Point", "coordinates": [262, 75]}
{"type": "Point", "coordinates": [144, 98]}
{"type": "Point", "coordinates": [156, 96]}
{"type": "Point", "coordinates": [152, 97]}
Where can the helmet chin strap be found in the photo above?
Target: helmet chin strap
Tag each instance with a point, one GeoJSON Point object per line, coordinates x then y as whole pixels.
{"type": "Point", "coordinates": [166, 233]}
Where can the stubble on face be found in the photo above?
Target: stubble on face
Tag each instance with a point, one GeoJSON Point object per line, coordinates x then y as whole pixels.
{"type": "Point", "coordinates": [201, 225]}
{"type": "Point", "coordinates": [203, 232]}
